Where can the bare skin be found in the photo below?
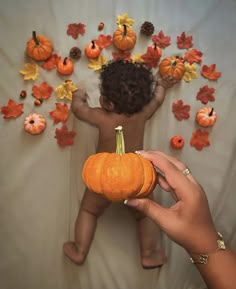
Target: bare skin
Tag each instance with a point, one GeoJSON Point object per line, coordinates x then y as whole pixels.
{"type": "Point", "coordinates": [93, 205]}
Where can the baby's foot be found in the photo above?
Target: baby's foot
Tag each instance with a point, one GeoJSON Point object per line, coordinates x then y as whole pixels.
{"type": "Point", "coordinates": [153, 259]}
{"type": "Point", "coordinates": [71, 251]}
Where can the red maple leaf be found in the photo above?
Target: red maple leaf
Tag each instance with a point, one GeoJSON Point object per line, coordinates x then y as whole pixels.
{"type": "Point", "coordinates": [193, 55]}
{"type": "Point", "coordinates": [205, 94]}
{"type": "Point", "coordinates": [64, 136]}
{"type": "Point", "coordinates": [61, 113]}
{"type": "Point", "coordinates": [12, 109]}
{"type": "Point", "coordinates": [184, 41]}
{"type": "Point", "coordinates": [42, 91]}
{"type": "Point", "coordinates": [103, 40]}
{"type": "Point", "coordinates": [152, 56]}
{"type": "Point", "coordinates": [51, 62]}
{"type": "Point", "coordinates": [210, 72]}
{"type": "Point", "coordinates": [121, 55]}
{"type": "Point", "coordinates": [161, 40]}
{"type": "Point", "coordinates": [199, 139]}
{"type": "Point", "coordinates": [74, 29]}
{"type": "Point", "coordinates": [180, 110]}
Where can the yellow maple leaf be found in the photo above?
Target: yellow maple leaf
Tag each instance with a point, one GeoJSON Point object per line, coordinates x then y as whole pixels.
{"type": "Point", "coordinates": [137, 58]}
{"type": "Point", "coordinates": [96, 64]}
{"type": "Point", "coordinates": [190, 72]}
{"type": "Point", "coordinates": [30, 71]}
{"type": "Point", "coordinates": [65, 89]}
{"type": "Point", "coordinates": [124, 19]}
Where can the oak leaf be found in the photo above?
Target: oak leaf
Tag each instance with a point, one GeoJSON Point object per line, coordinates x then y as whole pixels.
{"type": "Point", "coordinates": [124, 55]}
{"type": "Point", "coordinates": [161, 40]}
{"type": "Point", "coordinates": [64, 136]}
{"type": "Point", "coordinates": [30, 71]}
{"type": "Point", "coordinates": [190, 72]}
{"type": "Point", "coordinates": [124, 19]}
{"type": "Point", "coordinates": [193, 55]}
{"type": "Point", "coordinates": [210, 72]}
{"type": "Point", "coordinates": [152, 56]}
{"type": "Point", "coordinates": [65, 89]}
{"type": "Point", "coordinates": [199, 139]}
{"type": "Point", "coordinates": [184, 42]}
{"type": "Point", "coordinates": [205, 94]}
{"type": "Point", "coordinates": [74, 29]}
{"type": "Point", "coordinates": [42, 91]}
{"type": "Point", "coordinates": [61, 112]}
{"type": "Point", "coordinates": [12, 109]}
{"type": "Point", "coordinates": [51, 62]}
{"type": "Point", "coordinates": [180, 110]}
{"type": "Point", "coordinates": [96, 64]}
{"type": "Point", "coordinates": [103, 40]}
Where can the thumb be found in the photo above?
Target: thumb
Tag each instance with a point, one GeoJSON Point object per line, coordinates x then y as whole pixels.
{"type": "Point", "coordinates": [151, 209]}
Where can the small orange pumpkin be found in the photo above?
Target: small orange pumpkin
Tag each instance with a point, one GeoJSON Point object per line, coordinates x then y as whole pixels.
{"type": "Point", "coordinates": [173, 66]}
{"type": "Point", "coordinates": [118, 176]}
{"type": "Point", "coordinates": [65, 66]}
{"type": "Point", "coordinates": [39, 47]}
{"type": "Point", "coordinates": [124, 38]}
{"type": "Point", "coordinates": [177, 142]}
{"type": "Point", "coordinates": [206, 116]}
{"type": "Point", "coordinates": [92, 50]}
{"type": "Point", "coordinates": [35, 123]}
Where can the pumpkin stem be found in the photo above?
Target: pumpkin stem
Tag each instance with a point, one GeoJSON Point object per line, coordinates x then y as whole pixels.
{"type": "Point", "coordinates": [125, 29]}
{"type": "Point", "coordinates": [35, 38]}
{"type": "Point", "coordinates": [120, 144]}
{"type": "Point", "coordinates": [211, 112]}
{"type": "Point", "coordinates": [155, 46]}
{"type": "Point", "coordinates": [93, 44]}
{"type": "Point", "coordinates": [173, 63]}
{"type": "Point", "coordinates": [65, 59]}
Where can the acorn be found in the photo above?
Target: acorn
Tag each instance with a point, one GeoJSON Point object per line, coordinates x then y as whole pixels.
{"type": "Point", "coordinates": [38, 101]}
{"type": "Point", "coordinates": [100, 26]}
{"type": "Point", "coordinates": [23, 94]}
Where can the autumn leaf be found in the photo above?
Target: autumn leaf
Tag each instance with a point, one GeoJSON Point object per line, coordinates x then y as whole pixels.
{"type": "Point", "coordinates": [103, 40]}
{"type": "Point", "coordinates": [96, 64]}
{"type": "Point", "coordinates": [42, 91]}
{"type": "Point", "coordinates": [65, 90]}
{"type": "Point", "coordinates": [30, 71]}
{"type": "Point", "coordinates": [193, 55]}
{"type": "Point", "coordinates": [64, 136]}
{"type": "Point", "coordinates": [74, 29]}
{"type": "Point", "coordinates": [51, 62]}
{"type": "Point", "coordinates": [137, 58]}
{"type": "Point", "coordinates": [152, 56]}
{"type": "Point", "coordinates": [161, 40]}
{"type": "Point", "coordinates": [180, 110]}
{"type": "Point", "coordinates": [210, 72]}
{"type": "Point", "coordinates": [61, 112]}
{"type": "Point", "coordinates": [190, 72]}
{"type": "Point", "coordinates": [205, 94]}
{"type": "Point", "coordinates": [184, 42]}
{"type": "Point", "coordinates": [124, 19]}
{"type": "Point", "coordinates": [125, 55]}
{"type": "Point", "coordinates": [199, 139]}
{"type": "Point", "coordinates": [12, 109]}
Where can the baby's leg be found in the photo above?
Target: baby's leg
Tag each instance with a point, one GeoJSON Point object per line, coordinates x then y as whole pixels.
{"type": "Point", "coordinates": [149, 238]}
{"type": "Point", "coordinates": [92, 206]}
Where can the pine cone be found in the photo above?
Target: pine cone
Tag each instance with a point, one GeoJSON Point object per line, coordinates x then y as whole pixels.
{"type": "Point", "coordinates": [147, 28]}
{"type": "Point", "coordinates": [75, 53]}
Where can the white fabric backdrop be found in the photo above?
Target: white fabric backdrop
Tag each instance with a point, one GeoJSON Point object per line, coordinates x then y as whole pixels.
{"type": "Point", "coordinates": [40, 183]}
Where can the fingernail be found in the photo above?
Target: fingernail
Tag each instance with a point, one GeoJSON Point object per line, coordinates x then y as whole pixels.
{"type": "Point", "coordinates": [126, 201]}
{"type": "Point", "coordinates": [139, 152]}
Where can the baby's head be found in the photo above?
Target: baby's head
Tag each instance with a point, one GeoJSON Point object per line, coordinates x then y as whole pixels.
{"type": "Point", "coordinates": [126, 85]}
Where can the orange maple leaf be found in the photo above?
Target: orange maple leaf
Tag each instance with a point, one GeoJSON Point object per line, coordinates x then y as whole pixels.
{"type": "Point", "coordinates": [184, 41]}
{"type": "Point", "coordinates": [121, 55]}
{"type": "Point", "coordinates": [42, 91]}
{"type": "Point", "coordinates": [64, 136]}
{"type": "Point", "coordinates": [180, 110]}
{"type": "Point", "coordinates": [152, 56]}
{"type": "Point", "coordinates": [205, 94]}
{"type": "Point", "coordinates": [210, 72]}
{"type": "Point", "coordinates": [12, 109]}
{"type": "Point", "coordinates": [51, 62]}
{"type": "Point", "coordinates": [193, 55]}
{"type": "Point", "coordinates": [161, 40]}
{"type": "Point", "coordinates": [61, 113]}
{"type": "Point", "coordinates": [74, 29]}
{"type": "Point", "coordinates": [103, 40]}
{"type": "Point", "coordinates": [199, 139]}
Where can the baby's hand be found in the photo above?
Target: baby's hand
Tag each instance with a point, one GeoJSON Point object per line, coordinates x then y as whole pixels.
{"type": "Point", "coordinates": [82, 95]}
{"type": "Point", "coordinates": [166, 81]}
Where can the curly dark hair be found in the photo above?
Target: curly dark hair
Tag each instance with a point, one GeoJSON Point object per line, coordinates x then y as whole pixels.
{"type": "Point", "coordinates": [128, 85]}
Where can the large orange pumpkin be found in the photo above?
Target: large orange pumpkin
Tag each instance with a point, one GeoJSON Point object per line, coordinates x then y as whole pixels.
{"type": "Point", "coordinates": [39, 47]}
{"type": "Point", "coordinates": [124, 38]}
{"type": "Point", "coordinates": [206, 116]}
{"type": "Point", "coordinates": [173, 66]}
{"type": "Point", "coordinates": [119, 176]}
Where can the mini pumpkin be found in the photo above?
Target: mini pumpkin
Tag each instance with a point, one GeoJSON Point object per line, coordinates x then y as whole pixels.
{"type": "Point", "coordinates": [206, 116]}
{"type": "Point", "coordinates": [177, 142]}
{"type": "Point", "coordinates": [156, 51]}
{"type": "Point", "coordinates": [119, 176]}
{"type": "Point", "coordinates": [124, 38]}
{"type": "Point", "coordinates": [35, 123]}
{"type": "Point", "coordinates": [92, 50]}
{"type": "Point", "coordinates": [65, 66]}
{"type": "Point", "coordinates": [39, 47]}
{"type": "Point", "coordinates": [173, 66]}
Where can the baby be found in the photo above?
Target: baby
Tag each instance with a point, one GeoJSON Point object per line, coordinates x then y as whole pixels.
{"type": "Point", "coordinates": [130, 95]}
